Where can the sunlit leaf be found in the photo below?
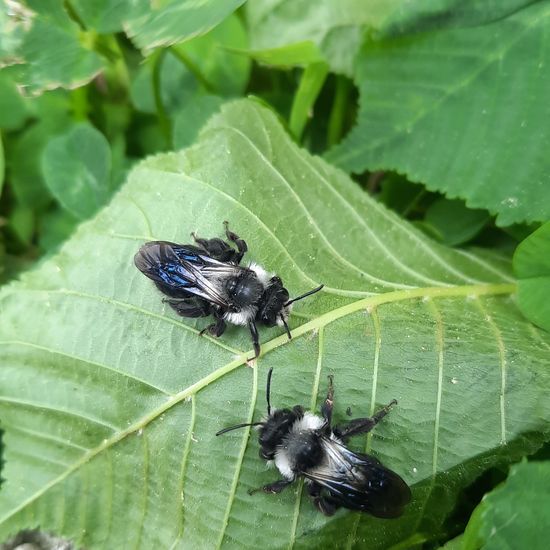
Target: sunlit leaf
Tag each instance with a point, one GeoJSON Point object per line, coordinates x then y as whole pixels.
{"type": "Point", "coordinates": [301, 54]}
{"type": "Point", "coordinates": [110, 402]}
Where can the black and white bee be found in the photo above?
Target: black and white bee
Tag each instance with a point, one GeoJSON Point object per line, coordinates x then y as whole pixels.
{"type": "Point", "coordinates": [302, 444]}
{"type": "Point", "coordinates": [206, 279]}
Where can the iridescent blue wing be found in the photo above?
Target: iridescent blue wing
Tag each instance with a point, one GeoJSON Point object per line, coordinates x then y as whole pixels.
{"type": "Point", "coordinates": [360, 482]}
{"type": "Point", "coordinates": [181, 270]}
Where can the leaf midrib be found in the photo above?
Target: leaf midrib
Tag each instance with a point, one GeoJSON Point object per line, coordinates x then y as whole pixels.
{"type": "Point", "coordinates": [314, 324]}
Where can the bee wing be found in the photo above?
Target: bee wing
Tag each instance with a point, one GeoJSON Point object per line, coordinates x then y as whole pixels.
{"type": "Point", "coordinates": [175, 267]}
{"type": "Point", "coordinates": [360, 482]}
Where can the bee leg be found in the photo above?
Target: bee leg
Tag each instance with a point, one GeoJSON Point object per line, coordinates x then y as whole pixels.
{"type": "Point", "coordinates": [362, 425]}
{"type": "Point", "coordinates": [326, 407]}
{"type": "Point", "coordinates": [239, 243]}
{"type": "Point", "coordinates": [216, 248]}
{"type": "Point", "coordinates": [322, 504]}
{"type": "Point", "coordinates": [255, 338]}
{"type": "Point", "coordinates": [274, 488]}
{"type": "Point", "coordinates": [215, 329]}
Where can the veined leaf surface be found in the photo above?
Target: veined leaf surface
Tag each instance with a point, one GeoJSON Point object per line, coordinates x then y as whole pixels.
{"type": "Point", "coordinates": [110, 402]}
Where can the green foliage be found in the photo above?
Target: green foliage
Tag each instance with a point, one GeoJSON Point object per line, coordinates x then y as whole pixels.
{"type": "Point", "coordinates": [532, 268]}
{"type": "Point", "coordinates": [13, 109]}
{"type": "Point", "coordinates": [514, 515]}
{"type": "Point", "coordinates": [191, 118]}
{"type": "Point", "coordinates": [110, 401]}
{"type": "Point", "coordinates": [2, 164]}
{"type": "Point", "coordinates": [337, 30]}
{"type": "Point", "coordinates": [77, 168]}
{"type": "Point", "coordinates": [310, 84]}
{"type": "Point", "coordinates": [434, 125]}
{"type": "Point", "coordinates": [54, 52]}
{"type": "Point", "coordinates": [453, 222]}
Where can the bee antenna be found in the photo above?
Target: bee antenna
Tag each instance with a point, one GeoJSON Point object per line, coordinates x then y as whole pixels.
{"type": "Point", "coordinates": [309, 293]}
{"type": "Point", "coordinates": [268, 390]}
{"type": "Point", "coordinates": [225, 430]}
{"type": "Point", "coordinates": [286, 327]}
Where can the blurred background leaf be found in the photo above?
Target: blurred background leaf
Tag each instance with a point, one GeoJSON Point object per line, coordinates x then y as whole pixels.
{"type": "Point", "coordinates": [77, 170]}
{"type": "Point", "coordinates": [532, 268]}
{"type": "Point", "coordinates": [514, 514]}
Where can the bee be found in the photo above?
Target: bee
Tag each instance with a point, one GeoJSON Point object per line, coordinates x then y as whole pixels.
{"type": "Point", "coordinates": [206, 279]}
{"type": "Point", "coordinates": [304, 445]}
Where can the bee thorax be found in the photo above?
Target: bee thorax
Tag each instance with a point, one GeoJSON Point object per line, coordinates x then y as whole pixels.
{"type": "Point", "coordinates": [301, 449]}
{"type": "Point", "coordinates": [262, 275]}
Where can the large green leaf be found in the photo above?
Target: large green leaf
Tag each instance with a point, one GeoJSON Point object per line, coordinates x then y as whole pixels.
{"type": "Point", "coordinates": [463, 111]}
{"type": "Point", "coordinates": [110, 402]}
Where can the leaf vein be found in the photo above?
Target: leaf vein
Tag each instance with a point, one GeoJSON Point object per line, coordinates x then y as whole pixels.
{"type": "Point", "coordinates": [240, 459]}
{"type": "Point", "coordinates": [185, 454]}
{"type": "Point", "coordinates": [385, 250]}
{"type": "Point", "coordinates": [32, 404]}
{"type": "Point", "coordinates": [503, 367]}
{"type": "Point", "coordinates": [83, 360]}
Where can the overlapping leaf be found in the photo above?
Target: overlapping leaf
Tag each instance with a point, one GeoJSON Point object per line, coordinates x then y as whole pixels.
{"type": "Point", "coordinates": [514, 514]}
{"type": "Point", "coordinates": [110, 403]}
{"type": "Point", "coordinates": [475, 127]}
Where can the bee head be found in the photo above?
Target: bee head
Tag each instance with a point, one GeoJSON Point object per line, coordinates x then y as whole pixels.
{"type": "Point", "coordinates": [275, 308]}
{"type": "Point", "coordinates": [272, 309]}
{"type": "Point", "coordinates": [273, 430]}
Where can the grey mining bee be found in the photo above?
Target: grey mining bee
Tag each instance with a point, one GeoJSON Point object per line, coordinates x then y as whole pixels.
{"type": "Point", "coordinates": [304, 445]}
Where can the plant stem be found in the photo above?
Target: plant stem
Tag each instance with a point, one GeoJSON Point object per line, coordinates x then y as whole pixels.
{"type": "Point", "coordinates": [79, 103]}
{"type": "Point", "coordinates": [164, 121]}
{"type": "Point", "coordinates": [336, 119]}
{"type": "Point", "coordinates": [310, 85]}
{"type": "Point", "coordinates": [193, 69]}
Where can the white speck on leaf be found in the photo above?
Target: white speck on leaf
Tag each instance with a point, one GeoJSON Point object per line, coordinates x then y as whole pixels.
{"type": "Point", "coordinates": [510, 202]}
